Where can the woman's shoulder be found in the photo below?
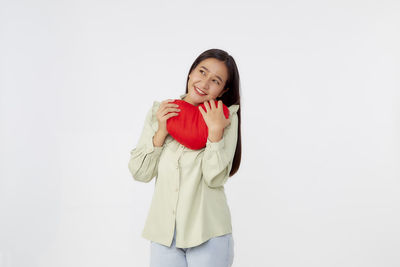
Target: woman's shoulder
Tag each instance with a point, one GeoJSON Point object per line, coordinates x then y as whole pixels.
{"type": "Point", "coordinates": [152, 115]}
{"type": "Point", "coordinates": [155, 106]}
{"type": "Point", "coordinates": [233, 109]}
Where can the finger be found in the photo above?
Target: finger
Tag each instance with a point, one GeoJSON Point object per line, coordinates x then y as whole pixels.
{"type": "Point", "coordinates": [212, 102]}
{"type": "Point", "coordinates": [220, 104]}
{"type": "Point", "coordinates": [173, 109]}
{"type": "Point", "coordinates": [168, 110]}
{"type": "Point", "coordinates": [167, 102]}
{"type": "Point", "coordinates": [201, 111]}
{"type": "Point", "coordinates": [207, 106]}
{"type": "Point", "coordinates": [169, 115]}
{"type": "Point", "coordinates": [172, 105]}
{"type": "Point", "coordinates": [168, 105]}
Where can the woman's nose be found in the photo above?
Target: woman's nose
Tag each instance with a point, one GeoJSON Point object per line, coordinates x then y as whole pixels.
{"type": "Point", "coordinates": [206, 83]}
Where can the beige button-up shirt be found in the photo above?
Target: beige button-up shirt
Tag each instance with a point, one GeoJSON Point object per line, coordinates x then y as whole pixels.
{"type": "Point", "coordinates": [189, 187]}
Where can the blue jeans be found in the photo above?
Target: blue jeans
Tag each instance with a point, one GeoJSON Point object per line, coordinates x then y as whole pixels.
{"type": "Point", "coordinates": [215, 252]}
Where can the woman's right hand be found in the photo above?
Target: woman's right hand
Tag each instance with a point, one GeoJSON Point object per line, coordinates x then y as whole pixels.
{"type": "Point", "coordinates": [164, 112]}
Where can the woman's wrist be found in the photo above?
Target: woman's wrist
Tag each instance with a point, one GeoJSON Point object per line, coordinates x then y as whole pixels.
{"type": "Point", "coordinates": [215, 135]}
{"type": "Point", "coordinates": [159, 138]}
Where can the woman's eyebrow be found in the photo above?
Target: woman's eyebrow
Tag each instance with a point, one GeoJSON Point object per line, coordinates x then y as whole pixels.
{"type": "Point", "coordinates": [209, 71]}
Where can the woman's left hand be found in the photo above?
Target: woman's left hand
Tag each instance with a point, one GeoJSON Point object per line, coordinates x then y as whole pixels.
{"type": "Point", "coordinates": [214, 117]}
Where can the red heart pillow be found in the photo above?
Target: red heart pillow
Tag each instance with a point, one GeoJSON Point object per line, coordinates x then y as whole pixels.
{"type": "Point", "coordinates": [189, 127]}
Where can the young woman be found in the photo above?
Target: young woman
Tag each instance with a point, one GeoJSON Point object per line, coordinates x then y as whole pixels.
{"type": "Point", "coordinates": [189, 221]}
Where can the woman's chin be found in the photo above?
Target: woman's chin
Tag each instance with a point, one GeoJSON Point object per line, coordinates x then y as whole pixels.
{"type": "Point", "coordinates": [197, 99]}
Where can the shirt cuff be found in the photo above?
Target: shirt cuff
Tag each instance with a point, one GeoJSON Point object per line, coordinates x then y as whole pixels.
{"type": "Point", "coordinates": [214, 146]}
{"type": "Point", "coordinates": [152, 148]}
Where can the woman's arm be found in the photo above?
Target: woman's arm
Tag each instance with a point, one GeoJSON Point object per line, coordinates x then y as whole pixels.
{"type": "Point", "coordinates": [145, 156]}
{"type": "Point", "coordinates": [218, 156]}
{"type": "Point", "coordinates": [159, 138]}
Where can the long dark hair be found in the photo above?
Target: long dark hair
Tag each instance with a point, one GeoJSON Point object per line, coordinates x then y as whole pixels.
{"type": "Point", "coordinates": [230, 97]}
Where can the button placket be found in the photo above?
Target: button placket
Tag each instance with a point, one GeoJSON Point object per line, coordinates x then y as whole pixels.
{"type": "Point", "coordinates": [179, 153]}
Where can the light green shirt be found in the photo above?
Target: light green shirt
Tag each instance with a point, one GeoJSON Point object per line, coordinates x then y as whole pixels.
{"type": "Point", "coordinates": [189, 187]}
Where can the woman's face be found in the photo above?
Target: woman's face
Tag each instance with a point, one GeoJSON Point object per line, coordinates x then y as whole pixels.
{"type": "Point", "coordinates": [206, 81]}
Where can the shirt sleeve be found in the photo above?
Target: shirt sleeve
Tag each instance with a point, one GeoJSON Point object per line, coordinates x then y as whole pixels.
{"type": "Point", "coordinates": [218, 156]}
{"type": "Point", "coordinates": [143, 163]}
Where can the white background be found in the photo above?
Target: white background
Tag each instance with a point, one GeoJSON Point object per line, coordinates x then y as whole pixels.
{"type": "Point", "coordinates": [319, 180]}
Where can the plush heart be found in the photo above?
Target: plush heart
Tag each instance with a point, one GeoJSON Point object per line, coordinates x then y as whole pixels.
{"type": "Point", "coordinates": [189, 127]}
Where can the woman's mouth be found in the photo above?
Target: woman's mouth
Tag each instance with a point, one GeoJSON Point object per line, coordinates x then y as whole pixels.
{"type": "Point", "coordinates": [198, 91]}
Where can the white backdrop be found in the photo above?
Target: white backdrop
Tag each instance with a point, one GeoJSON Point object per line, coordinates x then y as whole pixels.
{"type": "Point", "coordinates": [319, 180]}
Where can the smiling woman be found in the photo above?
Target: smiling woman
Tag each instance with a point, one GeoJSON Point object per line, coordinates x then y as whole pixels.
{"type": "Point", "coordinates": [189, 221]}
{"type": "Point", "coordinates": [207, 81]}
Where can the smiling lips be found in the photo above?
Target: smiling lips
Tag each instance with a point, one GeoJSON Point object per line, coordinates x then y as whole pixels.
{"type": "Point", "coordinates": [198, 91]}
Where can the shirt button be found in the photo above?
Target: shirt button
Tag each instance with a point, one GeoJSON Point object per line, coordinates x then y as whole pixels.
{"type": "Point", "coordinates": [173, 212]}
{"type": "Point", "coordinates": [176, 190]}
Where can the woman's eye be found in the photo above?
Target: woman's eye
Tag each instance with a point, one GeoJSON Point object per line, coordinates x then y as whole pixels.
{"type": "Point", "coordinates": [202, 72]}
